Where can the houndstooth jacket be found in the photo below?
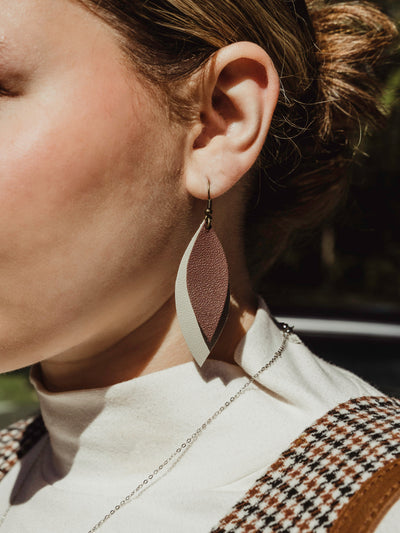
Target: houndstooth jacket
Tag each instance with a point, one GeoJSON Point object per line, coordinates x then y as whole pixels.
{"type": "Point", "coordinates": [341, 475]}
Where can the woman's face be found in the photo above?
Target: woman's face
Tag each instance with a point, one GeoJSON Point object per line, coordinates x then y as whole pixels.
{"type": "Point", "coordinates": [90, 193]}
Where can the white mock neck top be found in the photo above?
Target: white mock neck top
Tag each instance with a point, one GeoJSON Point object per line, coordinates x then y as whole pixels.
{"type": "Point", "coordinates": [102, 443]}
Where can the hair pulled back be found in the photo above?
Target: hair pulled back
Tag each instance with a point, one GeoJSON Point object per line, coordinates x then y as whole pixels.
{"type": "Point", "coordinates": [326, 57]}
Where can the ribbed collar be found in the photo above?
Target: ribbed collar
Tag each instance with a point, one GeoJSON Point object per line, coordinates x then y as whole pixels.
{"type": "Point", "coordinates": [130, 426]}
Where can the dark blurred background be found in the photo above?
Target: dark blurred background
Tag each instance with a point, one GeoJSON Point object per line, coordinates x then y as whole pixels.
{"type": "Point", "coordinates": [350, 269]}
{"type": "Point", "coordinates": [348, 272]}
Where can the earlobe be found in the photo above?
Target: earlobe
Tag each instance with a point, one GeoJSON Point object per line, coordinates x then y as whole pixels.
{"type": "Point", "coordinates": [239, 94]}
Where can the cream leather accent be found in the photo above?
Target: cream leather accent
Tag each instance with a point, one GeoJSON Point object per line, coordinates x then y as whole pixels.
{"type": "Point", "coordinates": [184, 310]}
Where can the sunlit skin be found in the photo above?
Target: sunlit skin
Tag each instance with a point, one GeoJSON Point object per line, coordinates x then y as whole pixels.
{"type": "Point", "coordinates": [100, 194]}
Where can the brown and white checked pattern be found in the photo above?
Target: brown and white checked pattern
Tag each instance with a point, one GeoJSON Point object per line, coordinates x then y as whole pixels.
{"type": "Point", "coordinates": [17, 440]}
{"type": "Point", "coordinates": [304, 490]}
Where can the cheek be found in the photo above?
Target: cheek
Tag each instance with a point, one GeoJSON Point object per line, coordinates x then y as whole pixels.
{"type": "Point", "coordinates": [75, 172]}
{"type": "Point", "coordinates": [60, 161]}
{"type": "Point", "coordinates": [49, 155]}
{"type": "Point", "coordinates": [80, 244]}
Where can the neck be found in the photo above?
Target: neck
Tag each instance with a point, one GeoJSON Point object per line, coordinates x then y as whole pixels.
{"type": "Point", "coordinates": [155, 345]}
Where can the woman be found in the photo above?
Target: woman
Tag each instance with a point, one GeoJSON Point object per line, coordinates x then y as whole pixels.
{"type": "Point", "coordinates": [121, 123]}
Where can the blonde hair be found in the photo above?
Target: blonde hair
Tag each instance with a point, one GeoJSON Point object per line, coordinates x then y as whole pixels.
{"type": "Point", "coordinates": [326, 55]}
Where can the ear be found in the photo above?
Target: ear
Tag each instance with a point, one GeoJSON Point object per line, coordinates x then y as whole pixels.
{"type": "Point", "coordinates": [237, 98]}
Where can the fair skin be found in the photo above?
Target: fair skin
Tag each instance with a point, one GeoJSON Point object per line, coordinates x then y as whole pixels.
{"type": "Point", "coordinates": [100, 194]}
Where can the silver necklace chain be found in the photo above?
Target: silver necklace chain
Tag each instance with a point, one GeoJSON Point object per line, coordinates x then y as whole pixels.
{"type": "Point", "coordinates": [287, 331]}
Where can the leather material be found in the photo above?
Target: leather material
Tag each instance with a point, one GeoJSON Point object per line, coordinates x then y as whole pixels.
{"type": "Point", "coordinates": [202, 293]}
{"type": "Point", "coordinates": [208, 284]}
{"type": "Point", "coordinates": [370, 504]}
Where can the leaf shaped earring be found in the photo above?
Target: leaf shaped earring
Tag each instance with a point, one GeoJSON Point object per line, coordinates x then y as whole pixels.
{"type": "Point", "coordinates": [202, 289]}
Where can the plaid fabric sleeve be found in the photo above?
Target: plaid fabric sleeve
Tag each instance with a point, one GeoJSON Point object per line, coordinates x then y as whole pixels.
{"type": "Point", "coordinates": [329, 477]}
{"type": "Point", "coordinates": [17, 440]}
{"type": "Point", "coordinates": [328, 480]}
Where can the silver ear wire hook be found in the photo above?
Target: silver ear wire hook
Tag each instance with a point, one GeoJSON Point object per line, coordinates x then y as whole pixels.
{"type": "Point", "coordinates": [208, 211]}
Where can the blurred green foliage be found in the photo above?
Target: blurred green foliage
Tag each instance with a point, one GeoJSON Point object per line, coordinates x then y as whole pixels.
{"type": "Point", "coordinates": [17, 397]}
{"type": "Point", "coordinates": [15, 388]}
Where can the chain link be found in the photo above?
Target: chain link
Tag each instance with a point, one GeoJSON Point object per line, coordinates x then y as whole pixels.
{"type": "Point", "coordinates": [287, 331]}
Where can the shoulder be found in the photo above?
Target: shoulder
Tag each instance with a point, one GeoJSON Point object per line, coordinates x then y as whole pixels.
{"type": "Point", "coordinates": [320, 385]}
{"type": "Point", "coordinates": [299, 377]}
{"type": "Point", "coordinates": [311, 384]}
{"type": "Point", "coordinates": [299, 387]}
{"type": "Point", "coordinates": [17, 439]}
{"type": "Point", "coordinates": [330, 477]}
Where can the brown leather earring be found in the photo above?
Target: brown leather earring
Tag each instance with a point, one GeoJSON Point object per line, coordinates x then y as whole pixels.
{"type": "Point", "coordinates": [202, 292]}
